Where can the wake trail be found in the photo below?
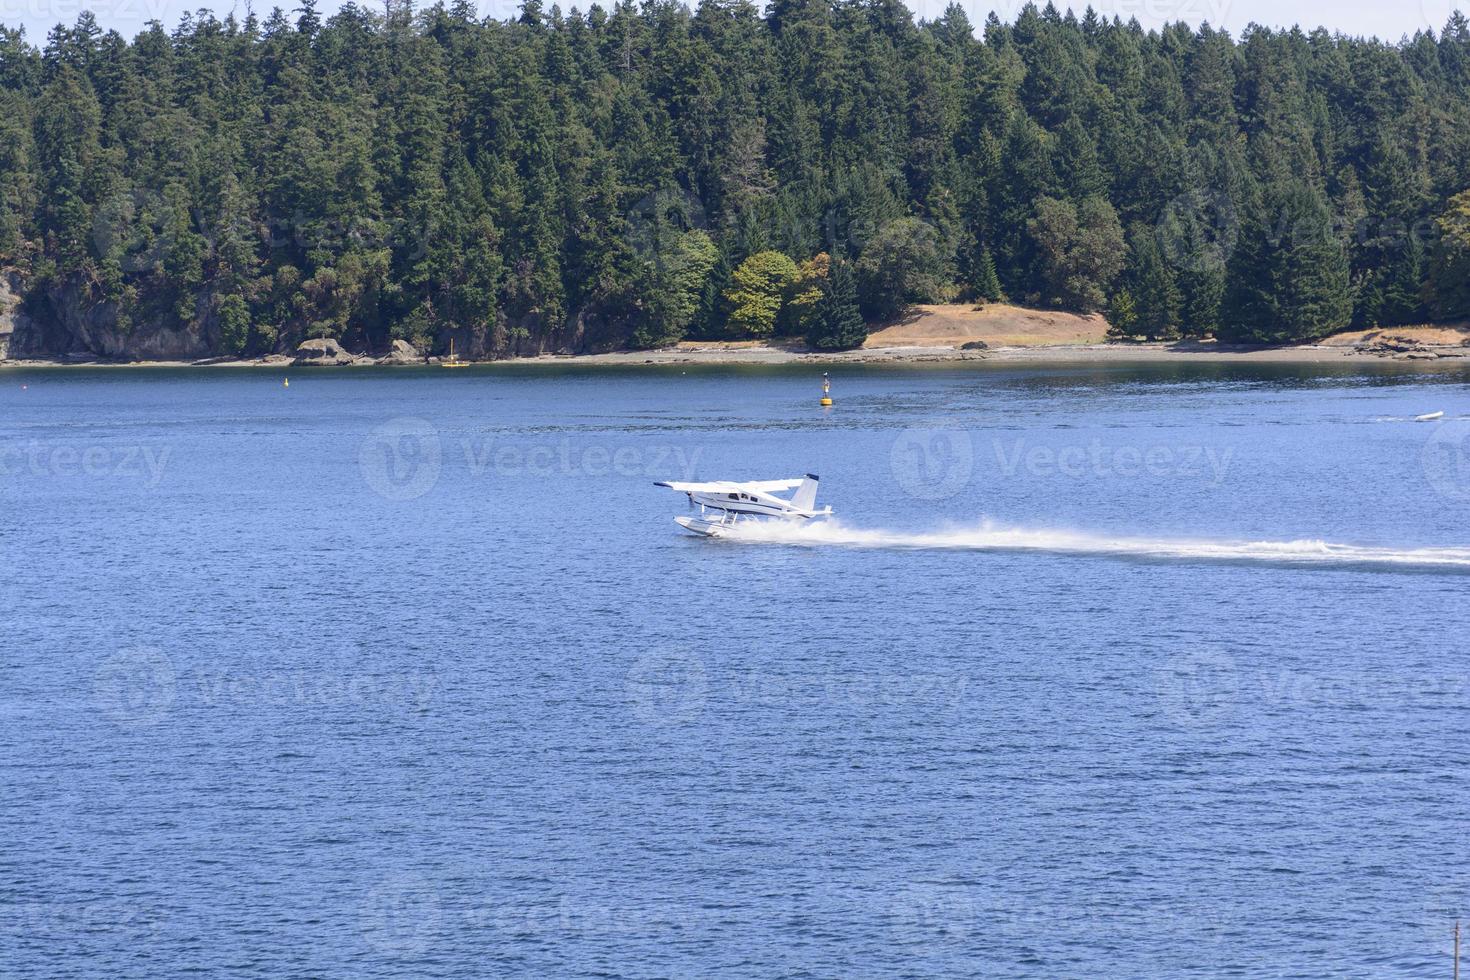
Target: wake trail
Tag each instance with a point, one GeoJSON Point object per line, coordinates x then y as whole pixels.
{"type": "Point", "coordinates": [988, 536]}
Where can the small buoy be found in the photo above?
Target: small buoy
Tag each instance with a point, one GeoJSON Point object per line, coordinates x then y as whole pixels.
{"type": "Point", "coordinates": [286, 383]}
{"type": "Point", "coordinates": [826, 391]}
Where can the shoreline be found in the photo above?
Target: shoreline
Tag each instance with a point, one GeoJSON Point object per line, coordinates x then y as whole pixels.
{"type": "Point", "coordinates": [747, 354]}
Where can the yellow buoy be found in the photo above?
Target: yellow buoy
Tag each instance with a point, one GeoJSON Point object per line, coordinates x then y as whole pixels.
{"type": "Point", "coordinates": [826, 391]}
{"type": "Point", "coordinates": [286, 383]}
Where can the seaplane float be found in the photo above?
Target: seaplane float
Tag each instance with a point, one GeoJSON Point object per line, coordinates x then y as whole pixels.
{"type": "Point", "coordinates": [735, 503]}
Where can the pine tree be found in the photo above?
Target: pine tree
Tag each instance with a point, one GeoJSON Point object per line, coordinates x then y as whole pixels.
{"type": "Point", "coordinates": [1288, 279]}
{"type": "Point", "coordinates": [426, 174]}
{"type": "Point", "coordinates": [1203, 289]}
{"type": "Point", "coordinates": [1122, 316]}
{"type": "Point", "coordinates": [987, 283]}
{"type": "Point", "coordinates": [1158, 304]}
{"type": "Point", "coordinates": [1447, 291]}
{"type": "Point", "coordinates": [838, 323]}
{"type": "Point", "coordinates": [69, 151]}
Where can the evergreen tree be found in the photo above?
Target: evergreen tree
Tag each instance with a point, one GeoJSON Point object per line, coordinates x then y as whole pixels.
{"type": "Point", "coordinates": [674, 290]}
{"type": "Point", "coordinates": [427, 175]}
{"type": "Point", "coordinates": [1158, 306]}
{"type": "Point", "coordinates": [1448, 289]}
{"type": "Point", "coordinates": [837, 323]}
{"type": "Point", "coordinates": [1122, 315]}
{"type": "Point", "coordinates": [1288, 278]}
{"type": "Point", "coordinates": [69, 151]}
{"type": "Point", "coordinates": [987, 283]}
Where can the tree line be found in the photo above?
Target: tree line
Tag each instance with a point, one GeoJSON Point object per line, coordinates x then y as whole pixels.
{"type": "Point", "coordinates": [637, 175]}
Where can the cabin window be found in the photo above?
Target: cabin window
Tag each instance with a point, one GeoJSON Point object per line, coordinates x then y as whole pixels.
{"type": "Point", "coordinates": [734, 496]}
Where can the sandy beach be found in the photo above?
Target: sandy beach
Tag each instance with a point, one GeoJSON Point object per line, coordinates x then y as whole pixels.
{"type": "Point", "coordinates": [754, 354]}
{"type": "Point", "coordinates": [956, 333]}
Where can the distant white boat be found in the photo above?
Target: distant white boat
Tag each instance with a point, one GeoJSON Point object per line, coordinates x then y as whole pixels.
{"type": "Point", "coordinates": [1430, 417]}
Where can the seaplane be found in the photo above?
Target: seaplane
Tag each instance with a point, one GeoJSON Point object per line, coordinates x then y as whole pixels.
{"type": "Point", "coordinates": [735, 503]}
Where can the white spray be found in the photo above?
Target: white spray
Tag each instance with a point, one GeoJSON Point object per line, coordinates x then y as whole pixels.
{"type": "Point", "coordinates": [988, 536]}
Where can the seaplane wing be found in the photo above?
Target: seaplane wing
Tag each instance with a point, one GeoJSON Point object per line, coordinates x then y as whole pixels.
{"type": "Point", "coordinates": [752, 486]}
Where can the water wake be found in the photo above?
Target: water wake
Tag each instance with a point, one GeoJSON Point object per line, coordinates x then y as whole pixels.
{"type": "Point", "coordinates": [989, 536]}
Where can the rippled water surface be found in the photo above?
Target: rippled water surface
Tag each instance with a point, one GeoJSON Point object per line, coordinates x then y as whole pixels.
{"type": "Point", "coordinates": [1111, 671]}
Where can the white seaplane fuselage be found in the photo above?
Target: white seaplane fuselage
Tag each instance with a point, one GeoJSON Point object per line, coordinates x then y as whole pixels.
{"type": "Point", "coordinates": [724, 505]}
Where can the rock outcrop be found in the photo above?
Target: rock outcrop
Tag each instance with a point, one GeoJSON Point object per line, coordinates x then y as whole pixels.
{"type": "Point", "coordinates": [322, 352]}
{"type": "Point", "coordinates": [1389, 345]}
{"type": "Point", "coordinates": [1400, 347]}
{"type": "Point", "coordinates": [402, 352]}
{"type": "Point", "coordinates": [11, 318]}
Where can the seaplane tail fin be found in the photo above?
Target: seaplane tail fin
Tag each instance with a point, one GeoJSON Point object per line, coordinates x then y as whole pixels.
{"type": "Point", "coordinates": [805, 497]}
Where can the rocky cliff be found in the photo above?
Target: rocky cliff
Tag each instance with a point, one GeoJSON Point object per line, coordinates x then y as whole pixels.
{"type": "Point", "coordinates": [61, 320]}
{"type": "Point", "coordinates": [13, 320]}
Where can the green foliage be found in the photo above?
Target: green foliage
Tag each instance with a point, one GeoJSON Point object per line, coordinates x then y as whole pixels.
{"type": "Point", "coordinates": [837, 322]}
{"type": "Point", "coordinates": [1081, 250]}
{"type": "Point", "coordinates": [1158, 305]}
{"type": "Point", "coordinates": [759, 288]}
{"type": "Point", "coordinates": [987, 283]}
{"type": "Point", "coordinates": [906, 262]}
{"type": "Point", "coordinates": [1448, 288]}
{"type": "Point", "coordinates": [676, 284]}
{"type": "Point", "coordinates": [17, 176]}
{"type": "Point", "coordinates": [802, 309]}
{"type": "Point", "coordinates": [69, 154]}
{"type": "Point", "coordinates": [567, 180]}
{"type": "Point", "coordinates": [1122, 315]}
{"type": "Point", "coordinates": [234, 324]}
{"type": "Point", "coordinates": [1288, 278]}
{"type": "Point", "coordinates": [1203, 289]}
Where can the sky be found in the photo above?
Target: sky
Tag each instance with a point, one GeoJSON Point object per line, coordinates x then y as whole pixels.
{"type": "Point", "coordinates": [1389, 21]}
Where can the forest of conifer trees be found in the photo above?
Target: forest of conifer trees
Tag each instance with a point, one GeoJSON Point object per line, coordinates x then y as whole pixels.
{"type": "Point", "coordinates": [631, 176]}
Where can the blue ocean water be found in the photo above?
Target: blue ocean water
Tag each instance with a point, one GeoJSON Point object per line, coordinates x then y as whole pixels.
{"type": "Point", "coordinates": [1100, 671]}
